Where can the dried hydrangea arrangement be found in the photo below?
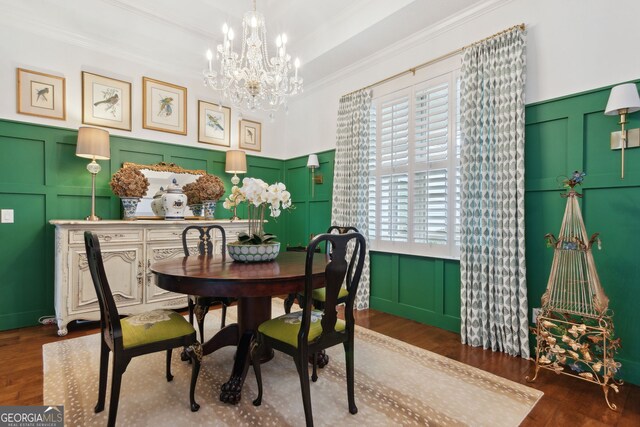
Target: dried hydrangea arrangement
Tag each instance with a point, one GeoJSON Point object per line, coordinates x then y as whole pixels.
{"type": "Point", "coordinates": [192, 193]}
{"type": "Point", "coordinates": [129, 182]}
{"type": "Point", "coordinates": [207, 187]}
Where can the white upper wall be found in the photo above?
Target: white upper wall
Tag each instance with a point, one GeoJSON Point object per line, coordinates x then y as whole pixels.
{"type": "Point", "coordinates": [52, 54]}
{"type": "Point", "coordinates": [572, 46]}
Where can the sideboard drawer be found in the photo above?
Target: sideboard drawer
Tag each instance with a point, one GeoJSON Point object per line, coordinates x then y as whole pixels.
{"type": "Point", "coordinates": [170, 234]}
{"type": "Point", "coordinates": [111, 236]}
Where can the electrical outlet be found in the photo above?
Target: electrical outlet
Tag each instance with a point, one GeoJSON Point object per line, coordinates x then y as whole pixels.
{"type": "Point", "coordinates": [535, 312]}
{"type": "Point", "coordinates": [6, 216]}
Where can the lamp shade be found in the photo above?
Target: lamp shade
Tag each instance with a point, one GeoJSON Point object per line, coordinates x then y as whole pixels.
{"type": "Point", "coordinates": [312, 162]}
{"type": "Point", "coordinates": [623, 96]}
{"type": "Point", "coordinates": [236, 162]}
{"type": "Point", "coordinates": [93, 143]}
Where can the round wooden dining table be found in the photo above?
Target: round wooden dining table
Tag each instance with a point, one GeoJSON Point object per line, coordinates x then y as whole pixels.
{"type": "Point", "coordinates": [253, 284]}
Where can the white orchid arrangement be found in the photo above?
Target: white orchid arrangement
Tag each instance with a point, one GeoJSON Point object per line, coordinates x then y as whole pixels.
{"type": "Point", "coordinates": [259, 195]}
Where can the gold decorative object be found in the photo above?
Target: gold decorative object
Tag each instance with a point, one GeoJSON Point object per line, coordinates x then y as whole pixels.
{"type": "Point", "coordinates": [575, 333]}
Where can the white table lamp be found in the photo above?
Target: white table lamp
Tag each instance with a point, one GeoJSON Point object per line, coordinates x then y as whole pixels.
{"type": "Point", "coordinates": [93, 143]}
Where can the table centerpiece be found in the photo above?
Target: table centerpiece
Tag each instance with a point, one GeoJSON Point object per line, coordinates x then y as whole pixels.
{"type": "Point", "coordinates": [256, 245]}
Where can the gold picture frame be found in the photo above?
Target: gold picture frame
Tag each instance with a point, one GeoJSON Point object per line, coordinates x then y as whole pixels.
{"type": "Point", "coordinates": [164, 106]}
{"type": "Point", "coordinates": [106, 102]}
{"type": "Point", "coordinates": [250, 135]}
{"type": "Point", "coordinates": [214, 124]}
{"type": "Point", "coordinates": [40, 94]}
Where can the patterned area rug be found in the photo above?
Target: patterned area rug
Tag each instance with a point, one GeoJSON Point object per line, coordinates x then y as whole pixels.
{"type": "Point", "coordinates": [396, 384]}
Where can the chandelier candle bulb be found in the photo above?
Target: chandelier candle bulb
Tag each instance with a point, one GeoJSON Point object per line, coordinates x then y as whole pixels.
{"type": "Point", "coordinates": [209, 58]}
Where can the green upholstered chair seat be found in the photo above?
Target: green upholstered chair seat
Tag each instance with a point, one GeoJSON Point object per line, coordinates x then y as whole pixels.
{"type": "Point", "coordinates": [153, 326]}
{"type": "Point", "coordinates": [320, 294]}
{"type": "Point", "coordinates": [286, 327]}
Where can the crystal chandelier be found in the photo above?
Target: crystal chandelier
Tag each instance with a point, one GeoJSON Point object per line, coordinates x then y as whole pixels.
{"type": "Point", "coordinates": [251, 79]}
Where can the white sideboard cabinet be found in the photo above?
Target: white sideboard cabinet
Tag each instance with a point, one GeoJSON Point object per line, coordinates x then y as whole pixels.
{"type": "Point", "coordinates": [129, 248]}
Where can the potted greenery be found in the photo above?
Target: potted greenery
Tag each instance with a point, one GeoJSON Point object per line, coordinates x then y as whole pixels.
{"type": "Point", "coordinates": [256, 245]}
{"type": "Point", "coordinates": [130, 185]}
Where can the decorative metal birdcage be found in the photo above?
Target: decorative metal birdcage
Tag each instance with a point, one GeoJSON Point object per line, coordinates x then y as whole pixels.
{"type": "Point", "coordinates": [574, 331]}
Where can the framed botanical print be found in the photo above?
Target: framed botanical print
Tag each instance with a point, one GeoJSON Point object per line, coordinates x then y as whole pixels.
{"type": "Point", "coordinates": [164, 106]}
{"type": "Point", "coordinates": [250, 135]}
{"type": "Point", "coordinates": [41, 94]}
{"type": "Point", "coordinates": [106, 102]}
{"type": "Point", "coordinates": [214, 124]}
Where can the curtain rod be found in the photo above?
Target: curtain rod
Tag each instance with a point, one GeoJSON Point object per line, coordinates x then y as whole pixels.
{"type": "Point", "coordinates": [432, 61]}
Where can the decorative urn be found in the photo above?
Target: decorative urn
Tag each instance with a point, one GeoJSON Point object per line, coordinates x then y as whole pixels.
{"type": "Point", "coordinates": [156, 203]}
{"type": "Point", "coordinates": [174, 202]}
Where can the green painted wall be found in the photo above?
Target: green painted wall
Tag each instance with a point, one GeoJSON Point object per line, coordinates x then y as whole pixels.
{"type": "Point", "coordinates": [563, 135]}
{"type": "Point", "coordinates": [42, 179]}
{"type": "Point", "coordinates": [572, 133]}
{"type": "Point", "coordinates": [312, 213]}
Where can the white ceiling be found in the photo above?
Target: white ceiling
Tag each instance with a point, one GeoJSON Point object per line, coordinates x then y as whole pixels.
{"type": "Point", "coordinates": [326, 35]}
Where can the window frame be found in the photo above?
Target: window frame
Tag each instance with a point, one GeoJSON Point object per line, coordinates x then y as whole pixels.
{"type": "Point", "coordinates": [446, 71]}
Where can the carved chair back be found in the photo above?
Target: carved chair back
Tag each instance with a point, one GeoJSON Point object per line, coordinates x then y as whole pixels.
{"type": "Point", "coordinates": [205, 244]}
{"type": "Point", "coordinates": [109, 316]}
{"type": "Point", "coordinates": [343, 266]}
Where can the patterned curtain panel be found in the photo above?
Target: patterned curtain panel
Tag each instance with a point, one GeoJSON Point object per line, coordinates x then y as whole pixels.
{"type": "Point", "coordinates": [492, 251]}
{"type": "Point", "coordinates": [350, 204]}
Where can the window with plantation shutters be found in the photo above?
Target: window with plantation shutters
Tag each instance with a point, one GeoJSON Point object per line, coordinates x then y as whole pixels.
{"type": "Point", "coordinates": [414, 180]}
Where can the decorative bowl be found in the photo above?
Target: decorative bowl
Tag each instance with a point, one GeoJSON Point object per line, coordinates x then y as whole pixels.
{"type": "Point", "coordinates": [253, 253]}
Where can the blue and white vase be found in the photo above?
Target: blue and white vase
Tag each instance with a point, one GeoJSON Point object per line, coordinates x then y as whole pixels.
{"type": "Point", "coordinates": [209, 209]}
{"type": "Point", "coordinates": [129, 206]}
{"type": "Point", "coordinates": [196, 209]}
{"type": "Point", "coordinates": [174, 202]}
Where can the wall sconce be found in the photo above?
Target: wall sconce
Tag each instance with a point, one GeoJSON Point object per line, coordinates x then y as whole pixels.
{"type": "Point", "coordinates": [236, 163]}
{"type": "Point", "coordinates": [313, 164]}
{"type": "Point", "coordinates": [93, 143]}
{"type": "Point", "coordinates": [623, 100]}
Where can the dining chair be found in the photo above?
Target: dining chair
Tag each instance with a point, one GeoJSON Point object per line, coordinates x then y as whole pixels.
{"type": "Point", "coordinates": [318, 295]}
{"type": "Point", "coordinates": [200, 305]}
{"type": "Point", "coordinates": [136, 335]}
{"type": "Point", "coordinates": [309, 331]}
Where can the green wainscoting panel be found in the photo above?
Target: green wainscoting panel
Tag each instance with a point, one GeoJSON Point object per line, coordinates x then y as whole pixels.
{"type": "Point", "coordinates": [451, 290]}
{"type": "Point", "coordinates": [544, 138]}
{"type": "Point", "coordinates": [416, 282]}
{"type": "Point", "coordinates": [42, 179]}
{"type": "Point", "coordinates": [419, 288]}
{"type": "Point", "coordinates": [381, 279]}
{"type": "Point", "coordinates": [26, 293]}
{"type": "Point", "coordinates": [321, 218]}
{"type": "Point", "coordinates": [312, 213]}
{"type": "Point", "coordinates": [22, 154]}
{"type": "Point", "coordinates": [610, 205]}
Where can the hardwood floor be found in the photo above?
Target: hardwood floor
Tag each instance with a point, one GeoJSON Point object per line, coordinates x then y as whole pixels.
{"type": "Point", "coordinates": [566, 401]}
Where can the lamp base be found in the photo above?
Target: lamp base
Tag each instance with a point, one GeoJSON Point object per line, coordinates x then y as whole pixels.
{"type": "Point", "coordinates": [93, 218]}
{"type": "Point", "coordinates": [234, 218]}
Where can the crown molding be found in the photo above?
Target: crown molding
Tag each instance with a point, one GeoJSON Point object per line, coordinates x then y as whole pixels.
{"type": "Point", "coordinates": [152, 15]}
{"type": "Point", "coordinates": [401, 46]}
{"type": "Point", "coordinates": [23, 21]}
